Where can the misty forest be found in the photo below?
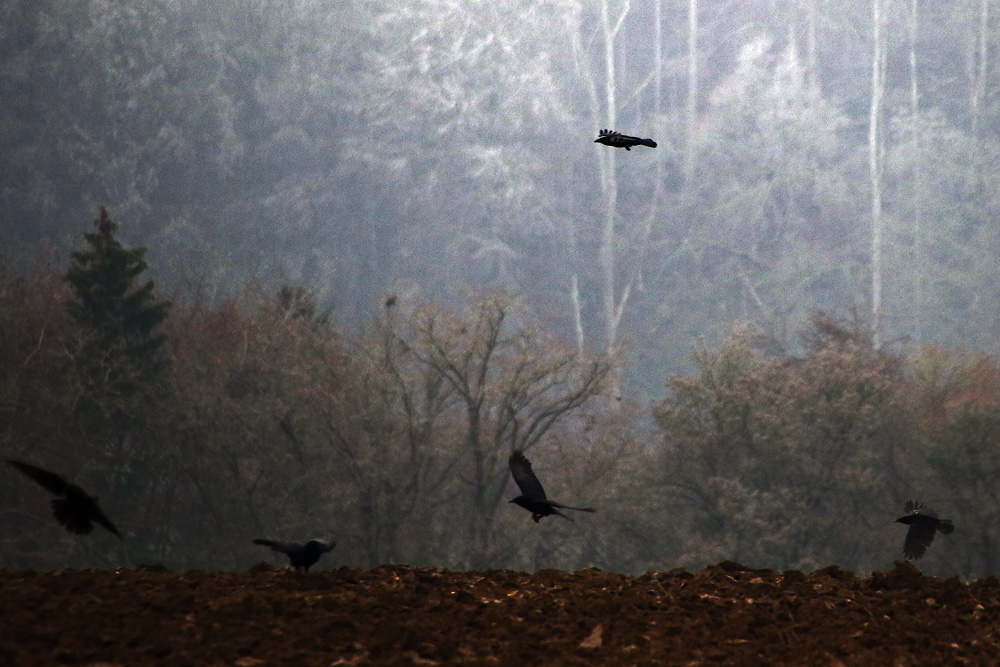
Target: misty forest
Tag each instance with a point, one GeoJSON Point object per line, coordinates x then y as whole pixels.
{"type": "Point", "coordinates": [289, 269]}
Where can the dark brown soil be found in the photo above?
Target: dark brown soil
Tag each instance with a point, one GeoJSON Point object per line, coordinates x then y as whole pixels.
{"type": "Point", "coordinates": [724, 614]}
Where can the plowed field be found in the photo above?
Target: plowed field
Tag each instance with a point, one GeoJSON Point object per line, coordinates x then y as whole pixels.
{"type": "Point", "coordinates": [724, 614]}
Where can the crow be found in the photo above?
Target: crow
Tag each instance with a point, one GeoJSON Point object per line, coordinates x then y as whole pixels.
{"type": "Point", "coordinates": [300, 555]}
{"type": "Point", "coordinates": [923, 522]}
{"type": "Point", "coordinates": [619, 140]}
{"type": "Point", "coordinates": [73, 508]}
{"type": "Point", "coordinates": [532, 496]}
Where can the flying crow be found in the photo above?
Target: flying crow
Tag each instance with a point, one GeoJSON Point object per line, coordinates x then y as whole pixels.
{"type": "Point", "coordinates": [73, 508]}
{"type": "Point", "coordinates": [923, 522]}
{"type": "Point", "coordinates": [301, 555]}
{"type": "Point", "coordinates": [532, 496]}
{"type": "Point", "coordinates": [618, 140]}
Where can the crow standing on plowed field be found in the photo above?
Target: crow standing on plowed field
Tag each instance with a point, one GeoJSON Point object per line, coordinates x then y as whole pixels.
{"type": "Point", "coordinates": [73, 509]}
{"type": "Point", "coordinates": [300, 555]}
{"type": "Point", "coordinates": [619, 140]}
{"type": "Point", "coordinates": [532, 496]}
{"type": "Point", "coordinates": [923, 522]}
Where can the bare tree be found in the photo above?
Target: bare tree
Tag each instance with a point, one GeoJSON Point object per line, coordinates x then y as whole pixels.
{"type": "Point", "coordinates": [511, 388]}
{"type": "Point", "coordinates": [384, 420]}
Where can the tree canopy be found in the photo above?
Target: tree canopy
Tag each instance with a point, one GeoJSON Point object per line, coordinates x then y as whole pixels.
{"type": "Point", "coordinates": [430, 148]}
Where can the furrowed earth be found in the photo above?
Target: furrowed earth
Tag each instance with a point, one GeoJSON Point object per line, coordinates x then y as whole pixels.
{"type": "Point", "coordinates": [724, 614]}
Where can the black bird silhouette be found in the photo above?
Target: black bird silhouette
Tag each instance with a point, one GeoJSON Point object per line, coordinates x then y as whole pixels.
{"type": "Point", "coordinates": [923, 523]}
{"type": "Point", "coordinates": [73, 509]}
{"type": "Point", "coordinates": [532, 496]}
{"type": "Point", "coordinates": [301, 555]}
{"type": "Point", "coordinates": [619, 140]}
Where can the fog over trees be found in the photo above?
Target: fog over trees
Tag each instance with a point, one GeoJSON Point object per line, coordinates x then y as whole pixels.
{"type": "Point", "coordinates": [771, 329]}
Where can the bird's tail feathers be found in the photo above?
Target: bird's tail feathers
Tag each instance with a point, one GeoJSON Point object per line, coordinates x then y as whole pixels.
{"type": "Point", "coordinates": [578, 509]}
{"type": "Point", "coordinates": [946, 526]}
{"type": "Point", "coordinates": [648, 142]}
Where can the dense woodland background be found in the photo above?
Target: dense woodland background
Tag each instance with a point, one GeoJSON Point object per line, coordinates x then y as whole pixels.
{"type": "Point", "coordinates": [818, 225]}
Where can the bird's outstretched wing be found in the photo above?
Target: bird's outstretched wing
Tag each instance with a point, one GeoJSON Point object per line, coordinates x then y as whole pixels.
{"type": "Point", "coordinates": [913, 507]}
{"type": "Point", "coordinates": [525, 478]}
{"type": "Point", "coordinates": [74, 514]}
{"type": "Point", "coordinates": [570, 507]}
{"type": "Point", "coordinates": [918, 538]}
{"type": "Point", "coordinates": [98, 516]}
{"type": "Point", "coordinates": [51, 481]}
{"type": "Point", "coordinates": [74, 509]}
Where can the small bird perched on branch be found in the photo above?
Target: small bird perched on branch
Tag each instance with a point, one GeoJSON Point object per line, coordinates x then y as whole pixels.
{"type": "Point", "coordinates": [74, 509]}
{"type": "Point", "coordinates": [532, 496]}
{"type": "Point", "coordinates": [300, 555]}
{"type": "Point", "coordinates": [619, 140]}
{"type": "Point", "coordinates": [923, 523]}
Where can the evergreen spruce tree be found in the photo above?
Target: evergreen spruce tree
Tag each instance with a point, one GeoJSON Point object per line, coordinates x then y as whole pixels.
{"type": "Point", "coordinates": [122, 360]}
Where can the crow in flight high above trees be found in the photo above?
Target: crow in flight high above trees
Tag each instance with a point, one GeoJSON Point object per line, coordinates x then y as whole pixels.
{"type": "Point", "coordinates": [532, 496]}
{"type": "Point", "coordinates": [73, 508]}
{"type": "Point", "coordinates": [923, 523]}
{"type": "Point", "coordinates": [300, 555]}
{"type": "Point", "coordinates": [619, 140]}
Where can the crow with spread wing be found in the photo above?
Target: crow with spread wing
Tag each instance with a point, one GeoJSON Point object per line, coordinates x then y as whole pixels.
{"type": "Point", "coordinates": [619, 140]}
{"type": "Point", "coordinates": [73, 508]}
{"type": "Point", "coordinates": [923, 523]}
{"type": "Point", "coordinates": [532, 496]}
{"type": "Point", "coordinates": [300, 555]}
